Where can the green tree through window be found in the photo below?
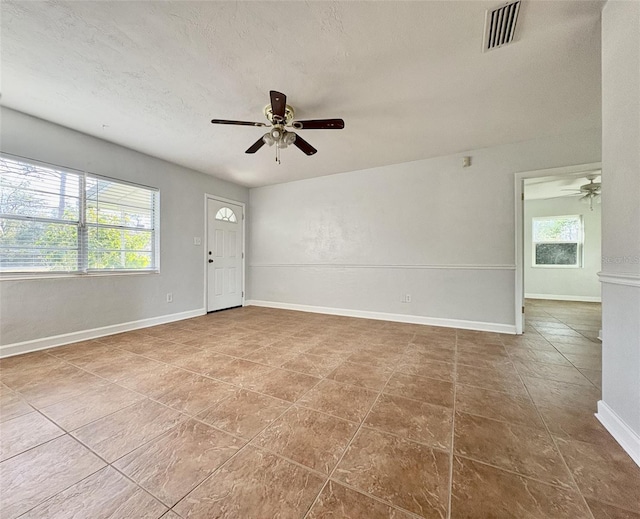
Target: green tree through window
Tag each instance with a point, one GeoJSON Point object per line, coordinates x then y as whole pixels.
{"type": "Point", "coordinates": [64, 221]}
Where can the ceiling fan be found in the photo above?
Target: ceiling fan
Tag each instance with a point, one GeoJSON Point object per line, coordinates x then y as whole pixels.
{"type": "Point", "coordinates": [589, 192]}
{"type": "Point", "coordinates": [281, 115]}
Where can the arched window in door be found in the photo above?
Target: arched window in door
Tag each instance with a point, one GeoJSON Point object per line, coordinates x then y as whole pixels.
{"type": "Point", "coordinates": [226, 214]}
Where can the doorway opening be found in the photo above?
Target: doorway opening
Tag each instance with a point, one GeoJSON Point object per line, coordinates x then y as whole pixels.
{"type": "Point", "coordinates": [557, 236]}
{"type": "Point", "coordinates": [224, 253]}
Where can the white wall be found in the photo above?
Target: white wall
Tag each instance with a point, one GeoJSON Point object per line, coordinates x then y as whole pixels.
{"type": "Point", "coordinates": [442, 233]}
{"type": "Point", "coordinates": [40, 308]}
{"type": "Point", "coordinates": [619, 409]}
{"type": "Point", "coordinates": [571, 284]}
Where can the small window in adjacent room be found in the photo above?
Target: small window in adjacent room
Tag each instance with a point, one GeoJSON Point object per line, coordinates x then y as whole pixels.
{"type": "Point", "coordinates": [226, 214]}
{"type": "Point", "coordinates": [57, 220]}
{"type": "Point", "coordinates": [557, 241]}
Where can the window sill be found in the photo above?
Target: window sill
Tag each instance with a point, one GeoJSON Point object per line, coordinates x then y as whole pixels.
{"type": "Point", "coordinates": [33, 277]}
{"type": "Point", "coordinates": [556, 266]}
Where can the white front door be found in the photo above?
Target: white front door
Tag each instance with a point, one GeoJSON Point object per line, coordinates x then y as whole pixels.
{"type": "Point", "coordinates": [224, 255]}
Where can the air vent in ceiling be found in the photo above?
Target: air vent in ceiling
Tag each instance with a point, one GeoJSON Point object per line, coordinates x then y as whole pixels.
{"type": "Point", "coordinates": [500, 26]}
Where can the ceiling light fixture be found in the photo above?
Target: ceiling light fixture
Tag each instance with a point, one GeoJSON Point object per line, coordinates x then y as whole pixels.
{"type": "Point", "coordinates": [280, 137]}
{"type": "Point", "coordinates": [589, 198]}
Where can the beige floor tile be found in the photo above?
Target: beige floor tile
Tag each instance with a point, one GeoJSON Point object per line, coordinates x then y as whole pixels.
{"type": "Point", "coordinates": [119, 433]}
{"type": "Point", "coordinates": [283, 384]}
{"type": "Point", "coordinates": [105, 494]}
{"type": "Point", "coordinates": [337, 501]}
{"type": "Point", "coordinates": [313, 439]}
{"type": "Point", "coordinates": [271, 355]}
{"type": "Point", "coordinates": [511, 392]}
{"type": "Point", "coordinates": [12, 405]}
{"type": "Point", "coordinates": [418, 353]}
{"type": "Point", "coordinates": [59, 384]}
{"type": "Point", "coordinates": [169, 352]}
{"type": "Point", "coordinates": [21, 370]}
{"type": "Point", "coordinates": [505, 380]}
{"type": "Point", "coordinates": [506, 407]}
{"type": "Point", "coordinates": [111, 364]}
{"type": "Point", "coordinates": [79, 349]}
{"type": "Point", "coordinates": [190, 393]}
{"type": "Point", "coordinates": [423, 367]}
{"type": "Point", "coordinates": [577, 424]}
{"type": "Point", "coordinates": [37, 474]}
{"type": "Point", "coordinates": [428, 390]}
{"type": "Point", "coordinates": [314, 365]}
{"type": "Point", "coordinates": [481, 360]}
{"type": "Point", "coordinates": [552, 393]}
{"type": "Point", "coordinates": [524, 450]}
{"type": "Point", "coordinates": [604, 511]}
{"type": "Point", "coordinates": [403, 473]}
{"type": "Point", "coordinates": [566, 374]}
{"type": "Point", "coordinates": [419, 421]}
{"type": "Point", "coordinates": [606, 474]}
{"type": "Point", "coordinates": [170, 466]}
{"type": "Point", "coordinates": [148, 379]}
{"type": "Point", "coordinates": [205, 362]}
{"type": "Point", "coordinates": [550, 357]}
{"type": "Point", "coordinates": [95, 403]}
{"type": "Point", "coordinates": [593, 362]}
{"type": "Point", "coordinates": [253, 481]}
{"type": "Point", "coordinates": [595, 377]}
{"type": "Point", "coordinates": [480, 492]}
{"type": "Point", "coordinates": [240, 372]}
{"type": "Point", "coordinates": [342, 400]}
{"type": "Point", "coordinates": [243, 413]}
{"type": "Point", "coordinates": [24, 433]}
{"type": "Point", "coordinates": [367, 376]}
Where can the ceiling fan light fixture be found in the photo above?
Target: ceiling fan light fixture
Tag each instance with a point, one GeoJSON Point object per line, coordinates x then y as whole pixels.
{"type": "Point", "coordinates": [268, 139]}
{"type": "Point", "coordinates": [276, 134]}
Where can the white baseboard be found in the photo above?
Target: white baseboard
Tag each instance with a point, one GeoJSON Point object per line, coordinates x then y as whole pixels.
{"type": "Point", "coordinates": [399, 318]}
{"type": "Point", "coordinates": [18, 348]}
{"type": "Point", "coordinates": [628, 439]}
{"type": "Point", "coordinates": [553, 297]}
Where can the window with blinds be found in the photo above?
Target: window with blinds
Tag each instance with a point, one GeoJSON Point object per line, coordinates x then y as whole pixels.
{"type": "Point", "coordinates": [59, 220]}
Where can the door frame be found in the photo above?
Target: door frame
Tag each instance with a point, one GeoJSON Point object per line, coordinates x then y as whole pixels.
{"type": "Point", "coordinates": [519, 221]}
{"type": "Point", "coordinates": [208, 197]}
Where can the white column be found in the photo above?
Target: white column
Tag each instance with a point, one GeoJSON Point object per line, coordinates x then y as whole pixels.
{"type": "Point", "coordinates": [619, 409]}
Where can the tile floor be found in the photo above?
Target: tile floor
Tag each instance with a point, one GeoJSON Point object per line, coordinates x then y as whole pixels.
{"type": "Point", "coordinates": [260, 413]}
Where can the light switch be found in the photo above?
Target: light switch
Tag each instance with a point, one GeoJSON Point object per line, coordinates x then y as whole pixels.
{"type": "Point", "coordinates": [197, 240]}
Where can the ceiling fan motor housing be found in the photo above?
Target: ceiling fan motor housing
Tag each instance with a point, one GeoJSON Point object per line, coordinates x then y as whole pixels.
{"type": "Point", "coordinates": [288, 115]}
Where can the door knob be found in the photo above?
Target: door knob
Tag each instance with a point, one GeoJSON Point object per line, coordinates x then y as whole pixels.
{"type": "Point", "coordinates": [210, 261]}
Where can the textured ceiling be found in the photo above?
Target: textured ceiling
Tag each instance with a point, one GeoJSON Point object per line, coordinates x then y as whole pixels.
{"type": "Point", "coordinates": [409, 78]}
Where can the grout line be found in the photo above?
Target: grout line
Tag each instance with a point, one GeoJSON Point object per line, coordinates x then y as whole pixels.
{"type": "Point", "coordinates": [558, 451]}
{"type": "Point", "coordinates": [453, 431]}
{"type": "Point", "coordinates": [349, 443]}
{"type": "Point", "coordinates": [243, 448]}
{"type": "Point", "coordinates": [289, 406]}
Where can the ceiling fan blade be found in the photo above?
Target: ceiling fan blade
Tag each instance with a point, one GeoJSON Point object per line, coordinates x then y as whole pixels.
{"type": "Point", "coordinates": [319, 124]}
{"type": "Point", "coordinates": [255, 146]}
{"type": "Point", "coordinates": [239, 123]}
{"type": "Point", "coordinates": [278, 103]}
{"type": "Point", "coordinates": [304, 145]}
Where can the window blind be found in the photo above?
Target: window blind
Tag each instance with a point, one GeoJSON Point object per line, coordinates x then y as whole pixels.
{"type": "Point", "coordinates": [56, 220]}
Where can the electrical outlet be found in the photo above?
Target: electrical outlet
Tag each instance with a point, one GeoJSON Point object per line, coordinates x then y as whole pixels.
{"type": "Point", "coordinates": [405, 298]}
{"type": "Point", "coordinates": [169, 297]}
